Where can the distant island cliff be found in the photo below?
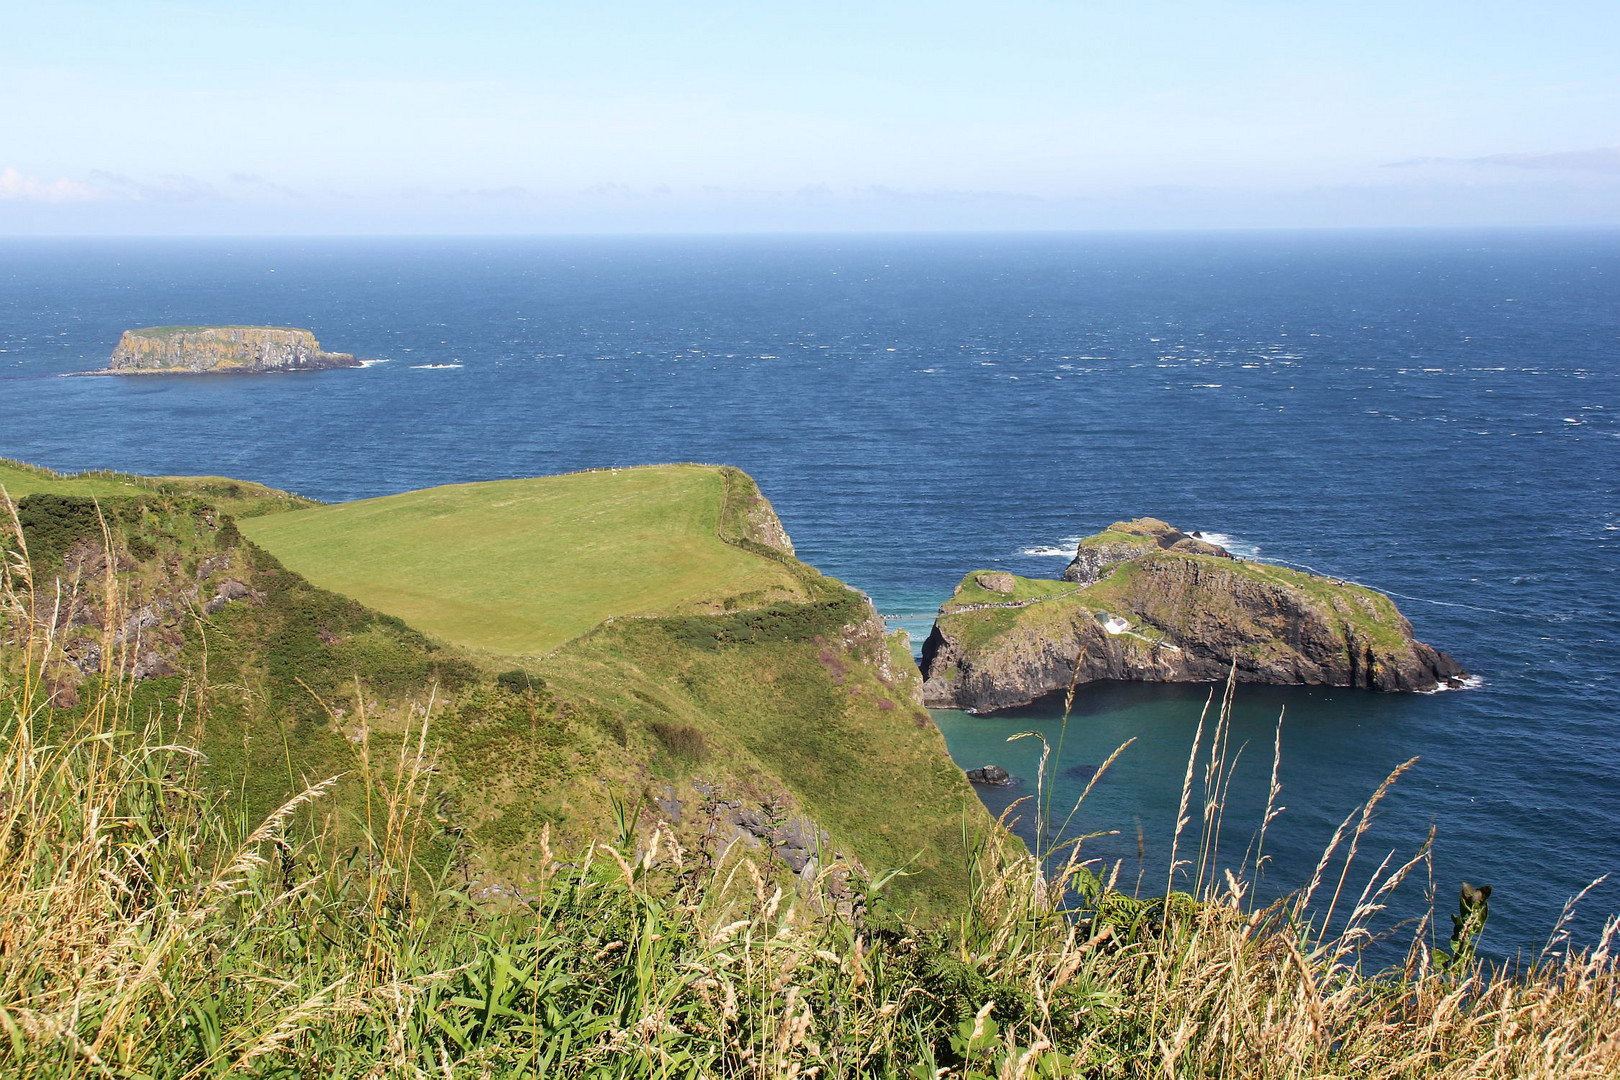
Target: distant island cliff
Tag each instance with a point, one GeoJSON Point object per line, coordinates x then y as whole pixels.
{"type": "Point", "coordinates": [157, 350]}
{"type": "Point", "coordinates": [1143, 601]}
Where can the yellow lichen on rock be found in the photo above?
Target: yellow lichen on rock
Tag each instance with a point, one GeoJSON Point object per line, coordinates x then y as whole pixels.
{"type": "Point", "coordinates": [198, 349]}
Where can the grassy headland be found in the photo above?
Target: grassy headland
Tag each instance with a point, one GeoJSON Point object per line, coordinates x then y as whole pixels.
{"type": "Point", "coordinates": [692, 666]}
{"type": "Point", "coordinates": [520, 566]}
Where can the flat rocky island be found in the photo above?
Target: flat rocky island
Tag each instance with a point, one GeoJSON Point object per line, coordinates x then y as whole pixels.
{"type": "Point", "coordinates": [191, 350]}
{"type": "Point", "coordinates": [1144, 601]}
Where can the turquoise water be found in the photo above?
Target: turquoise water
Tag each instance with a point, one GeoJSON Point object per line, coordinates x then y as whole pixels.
{"type": "Point", "coordinates": [1434, 414]}
{"type": "Point", "coordinates": [1337, 746]}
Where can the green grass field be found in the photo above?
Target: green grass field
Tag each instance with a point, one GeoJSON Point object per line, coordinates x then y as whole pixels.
{"type": "Point", "coordinates": [518, 567]}
{"type": "Point", "coordinates": [241, 498]}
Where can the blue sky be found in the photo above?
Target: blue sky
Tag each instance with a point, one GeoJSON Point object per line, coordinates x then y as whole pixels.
{"type": "Point", "coordinates": [482, 117]}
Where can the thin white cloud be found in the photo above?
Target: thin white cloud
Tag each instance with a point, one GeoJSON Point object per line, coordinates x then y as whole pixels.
{"type": "Point", "coordinates": [1598, 159]}
{"type": "Point", "coordinates": [164, 189]}
{"type": "Point", "coordinates": [19, 187]}
{"type": "Point", "coordinates": [1601, 159]}
{"type": "Point", "coordinates": [255, 181]}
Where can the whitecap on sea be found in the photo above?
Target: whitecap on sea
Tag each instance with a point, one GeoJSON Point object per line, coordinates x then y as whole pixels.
{"type": "Point", "coordinates": [1063, 549]}
{"type": "Point", "coordinates": [1467, 682]}
{"type": "Point", "coordinates": [1236, 547]}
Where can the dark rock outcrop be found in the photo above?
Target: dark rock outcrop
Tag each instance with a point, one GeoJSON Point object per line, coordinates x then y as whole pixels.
{"type": "Point", "coordinates": [990, 776]}
{"type": "Point", "coordinates": [152, 634]}
{"type": "Point", "coordinates": [1159, 606]}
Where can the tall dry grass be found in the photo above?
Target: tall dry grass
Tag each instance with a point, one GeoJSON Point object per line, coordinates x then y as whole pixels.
{"type": "Point", "coordinates": [147, 931]}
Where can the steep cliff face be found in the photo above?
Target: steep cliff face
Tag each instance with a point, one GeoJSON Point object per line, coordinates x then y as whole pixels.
{"type": "Point", "coordinates": [197, 349]}
{"type": "Point", "coordinates": [748, 516]}
{"type": "Point", "coordinates": [1170, 612]}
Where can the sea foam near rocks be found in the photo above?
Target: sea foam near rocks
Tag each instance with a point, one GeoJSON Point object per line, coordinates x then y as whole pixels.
{"type": "Point", "coordinates": [1063, 549]}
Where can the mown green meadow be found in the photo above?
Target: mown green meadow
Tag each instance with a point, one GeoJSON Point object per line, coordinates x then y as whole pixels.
{"type": "Point", "coordinates": [521, 566]}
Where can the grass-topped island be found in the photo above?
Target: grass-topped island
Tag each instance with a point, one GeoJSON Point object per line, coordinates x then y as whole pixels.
{"type": "Point", "coordinates": [200, 350]}
{"type": "Point", "coordinates": [1144, 601]}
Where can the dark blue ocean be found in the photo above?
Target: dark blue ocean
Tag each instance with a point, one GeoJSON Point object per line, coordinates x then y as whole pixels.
{"type": "Point", "coordinates": [1435, 415]}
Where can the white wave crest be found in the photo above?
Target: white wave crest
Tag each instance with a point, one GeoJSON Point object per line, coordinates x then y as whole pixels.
{"type": "Point", "coordinates": [1063, 549]}
{"type": "Point", "coordinates": [1467, 682]}
{"type": "Point", "coordinates": [1235, 546]}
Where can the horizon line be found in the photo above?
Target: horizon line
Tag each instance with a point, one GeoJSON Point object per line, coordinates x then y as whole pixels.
{"type": "Point", "coordinates": [676, 234]}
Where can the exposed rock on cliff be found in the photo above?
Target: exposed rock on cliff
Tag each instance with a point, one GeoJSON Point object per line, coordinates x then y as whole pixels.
{"type": "Point", "coordinates": [748, 517]}
{"type": "Point", "coordinates": [197, 349]}
{"type": "Point", "coordinates": [1124, 541]}
{"type": "Point", "coordinates": [1146, 602]}
{"type": "Point", "coordinates": [997, 582]}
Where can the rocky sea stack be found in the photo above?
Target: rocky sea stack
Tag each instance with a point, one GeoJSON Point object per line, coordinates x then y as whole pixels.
{"type": "Point", "coordinates": [1147, 602]}
{"type": "Point", "coordinates": [198, 349]}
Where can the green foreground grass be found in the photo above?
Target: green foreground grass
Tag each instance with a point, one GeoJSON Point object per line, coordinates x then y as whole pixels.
{"type": "Point", "coordinates": [518, 567]}
{"type": "Point", "coordinates": [150, 930]}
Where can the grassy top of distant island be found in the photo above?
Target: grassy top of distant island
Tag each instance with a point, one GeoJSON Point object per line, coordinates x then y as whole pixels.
{"type": "Point", "coordinates": [1371, 614]}
{"type": "Point", "coordinates": [1143, 600]}
{"type": "Point", "coordinates": [170, 331]}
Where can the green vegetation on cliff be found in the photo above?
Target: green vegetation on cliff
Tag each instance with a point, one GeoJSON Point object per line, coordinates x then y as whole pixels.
{"type": "Point", "coordinates": [691, 665]}
{"type": "Point", "coordinates": [153, 929]}
{"type": "Point", "coordinates": [254, 828]}
{"type": "Point", "coordinates": [520, 566]}
{"type": "Point", "coordinates": [240, 498]}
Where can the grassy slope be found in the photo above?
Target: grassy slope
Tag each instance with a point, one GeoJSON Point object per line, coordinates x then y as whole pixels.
{"type": "Point", "coordinates": [240, 498]}
{"type": "Point", "coordinates": [772, 703]}
{"type": "Point", "coordinates": [520, 566]}
{"type": "Point", "coordinates": [748, 665]}
{"type": "Point", "coordinates": [790, 712]}
{"type": "Point", "coordinates": [969, 591]}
